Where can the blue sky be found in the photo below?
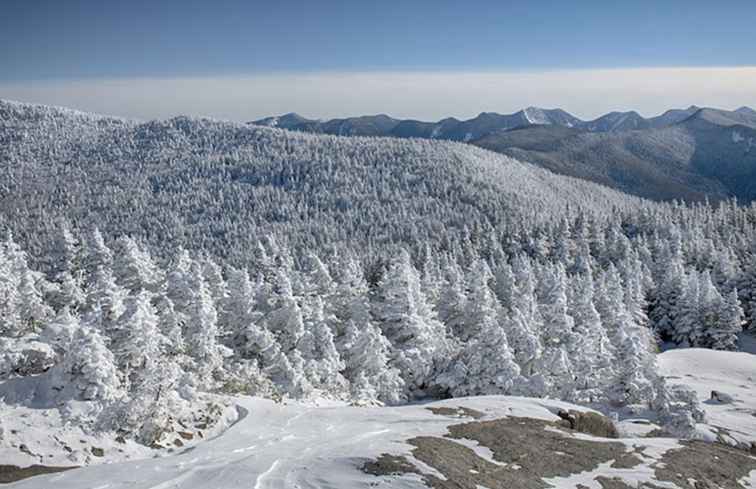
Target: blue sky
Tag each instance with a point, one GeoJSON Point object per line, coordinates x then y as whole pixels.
{"type": "Point", "coordinates": [54, 45]}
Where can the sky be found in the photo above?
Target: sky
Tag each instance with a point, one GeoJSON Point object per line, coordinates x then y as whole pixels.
{"type": "Point", "coordinates": [423, 59]}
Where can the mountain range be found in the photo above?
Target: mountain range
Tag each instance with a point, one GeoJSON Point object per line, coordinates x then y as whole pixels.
{"type": "Point", "coordinates": [689, 154]}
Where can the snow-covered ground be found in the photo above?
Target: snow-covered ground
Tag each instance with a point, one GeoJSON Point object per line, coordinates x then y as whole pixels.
{"type": "Point", "coordinates": [323, 445]}
{"type": "Point", "coordinates": [732, 373]}
{"type": "Point", "coordinates": [42, 436]}
{"type": "Point", "coordinates": [293, 445]}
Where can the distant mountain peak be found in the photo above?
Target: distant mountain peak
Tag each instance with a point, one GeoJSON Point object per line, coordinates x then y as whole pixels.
{"type": "Point", "coordinates": [293, 115]}
{"type": "Point", "coordinates": [285, 121]}
{"type": "Point", "coordinates": [536, 115]}
{"type": "Point", "coordinates": [384, 117]}
{"type": "Point", "coordinates": [746, 111]}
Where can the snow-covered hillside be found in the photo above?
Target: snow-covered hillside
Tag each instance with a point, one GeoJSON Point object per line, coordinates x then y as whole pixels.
{"type": "Point", "coordinates": [306, 445]}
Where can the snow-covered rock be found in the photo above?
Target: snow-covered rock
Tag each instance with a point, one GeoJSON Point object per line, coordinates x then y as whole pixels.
{"type": "Point", "coordinates": [21, 357]}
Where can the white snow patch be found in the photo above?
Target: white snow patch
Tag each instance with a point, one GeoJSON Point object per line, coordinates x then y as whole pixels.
{"type": "Point", "coordinates": [634, 477]}
{"type": "Point", "coordinates": [749, 480]}
{"type": "Point", "coordinates": [424, 468]}
{"type": "Point", "coordinates": [649, 450]}
{"type": "Point", "coordinates": [39, 436]}
{"type": "Point", "coordinates": [534, 115]}
{"type": "Point", "coordinates": [481, 451]}
{"type": "Point", "coordinates": [298, 445]}
{"type": "Point", "coordinates": [323, 444]}
{"type": "Point", "coordinates": [733, 373]}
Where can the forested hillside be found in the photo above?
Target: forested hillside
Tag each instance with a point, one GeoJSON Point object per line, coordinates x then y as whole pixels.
{"type": "Point", "coordinates": [188, 256]}
{"type": "Point", "coordinates": [218, 187]}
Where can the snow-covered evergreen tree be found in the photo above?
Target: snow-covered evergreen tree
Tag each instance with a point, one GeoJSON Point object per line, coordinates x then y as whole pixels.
{"type": "Point", "coordinates": [285, 320]}
{"type": "Point", "coordinates": [88, 370]}
{"type": "Point", "coordinates": [687, 329]}
{"type": "Point", "coordinates": [170, 324]}
{"type": "Point", "coordinates": [59, 331]}
{"type": "Point", "coordinates": [97, 254]}
{"type": "Point", "coordinates": [636, 369]}
{"type": "Point", "coordinates": [452, 301]}
{"type": "Point", "coordinates": [591, 351]}
{"type": "Point", "coordinates": [485, 363]}
{"type": "Point", "coordinates": [137, 339]}
{"type": "Point", "coordinates": [418, 339]}
{"type": "Point", "coordinates": [364, 349]}
{"type": "Point", "coordinates": [556, 335]}
{"type": "Point", "coordinates": [367, 365]}
{"type": "Point", "coordinates": [104, 298]}
{"type": "Point", "coordinates": [149, 376]}
{"type": "Point", "coordinates": [670, 279]}
{"type": "Point", "coordinates": [323, 365]}
{"type": "Point", "coordinates": [724, 334]}
{"type": "Point", "coordinates": [202, 335]}
{"type": "Point", "coordinates": [10, 320]}
{"type": "Point", "coordinates": [32, 310]}
{"type": "Point", "coordinates": [133, 267]}
{"type": "Point", "coordinates": [523, 340]}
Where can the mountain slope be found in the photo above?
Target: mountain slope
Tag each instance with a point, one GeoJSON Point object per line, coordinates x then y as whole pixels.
{"type": "Point", "coordinates": [673, 116]}
{"type": "Point", "coordinates": [653, 164]}
{"type": "Point", "coordinates": [709, 154]}
{"type": "Point", "coordinates": [742, 117]}
{"type": "Point", "coordinates": [617, 121]}
{"type": "Point", "coordinates": [182, 180]}
{"type": "Point", "coordinates": [690, 154]}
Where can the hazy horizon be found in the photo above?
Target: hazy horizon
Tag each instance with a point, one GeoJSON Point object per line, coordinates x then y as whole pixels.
{"type": "Point", "coordinates": [247, 59]}
{"type": "Point", "coordinates": [429, 95]}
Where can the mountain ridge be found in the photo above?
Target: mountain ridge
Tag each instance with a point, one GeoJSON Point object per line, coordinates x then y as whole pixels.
{"type": "Point", "coordinates": [690, 154]}
{"type": "Point", "coordinates": [486, 122]}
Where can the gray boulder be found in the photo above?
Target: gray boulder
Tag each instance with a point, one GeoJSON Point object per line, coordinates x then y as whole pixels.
{"type": "Point", "coordinates": [722, 397]}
